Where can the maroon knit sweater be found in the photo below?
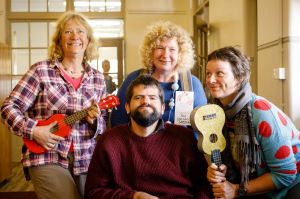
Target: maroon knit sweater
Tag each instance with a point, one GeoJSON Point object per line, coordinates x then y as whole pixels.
{"type": "Point", "coordinates": [166, 164]}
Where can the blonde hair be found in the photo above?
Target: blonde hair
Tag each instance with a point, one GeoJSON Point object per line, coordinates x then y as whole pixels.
{"type": "Point", "coordinates": [163, 30]}
{"type": "Point", "coordinates": [55, 50]}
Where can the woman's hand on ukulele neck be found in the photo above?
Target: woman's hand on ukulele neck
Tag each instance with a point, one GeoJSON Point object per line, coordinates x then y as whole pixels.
{"type": "Point", "coordinates": [216, 174]}
{"type": "Point", "coordinates": [92, 113]}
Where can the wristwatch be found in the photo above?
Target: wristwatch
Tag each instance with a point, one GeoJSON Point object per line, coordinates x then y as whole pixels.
{"type": "Point", "coordinates": [242, 191]}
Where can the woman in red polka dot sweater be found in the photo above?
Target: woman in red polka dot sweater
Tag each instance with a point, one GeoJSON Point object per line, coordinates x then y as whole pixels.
{"type": "Point", "coordinates": [262, 155]}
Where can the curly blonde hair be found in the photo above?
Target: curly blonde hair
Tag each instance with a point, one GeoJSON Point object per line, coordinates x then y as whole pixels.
{"type": "Point", "coordinates": [55, 50]}
{"type": "Point", "coordinates": [163, 30]}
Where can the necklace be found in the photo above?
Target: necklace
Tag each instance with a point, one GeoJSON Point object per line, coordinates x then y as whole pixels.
{"type": "Point", "coordinates": [71, 73]}
{"type": "Point", "coordinates": [171, 104]}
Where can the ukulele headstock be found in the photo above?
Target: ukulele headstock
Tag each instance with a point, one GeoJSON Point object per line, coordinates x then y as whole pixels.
{"type": "Point", "coordinates": [109, 102]}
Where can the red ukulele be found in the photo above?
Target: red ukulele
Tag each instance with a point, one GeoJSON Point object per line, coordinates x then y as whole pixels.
{"type": "Point", "coordinates": [64, 123]}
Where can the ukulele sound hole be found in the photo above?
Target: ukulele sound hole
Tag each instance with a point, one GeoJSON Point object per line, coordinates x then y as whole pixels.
{"type": "Point", "coordinates": [213, 138]}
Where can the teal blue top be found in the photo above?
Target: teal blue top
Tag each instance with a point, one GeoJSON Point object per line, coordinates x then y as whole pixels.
{"type": "Point", "coordinates": [280, 143]}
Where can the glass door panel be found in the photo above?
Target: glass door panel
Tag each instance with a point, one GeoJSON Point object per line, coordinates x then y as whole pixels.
{"type": "Point", "coordinates": [57, 5]}
{"type": "Point", "coordinates": [20, 61]}
{"type": "Point", "coordinates": [19, 35]}
{"type": "Point", "coordinates": [38, 55]}
{"type": "Point", "coordinates": [19, 5]}
{"type": "Point", "coordinates": [38, 5]}
{"type": "Point", "coordinates": [38, 34]}
{"type": "Point", "coordinates": [111, 50]}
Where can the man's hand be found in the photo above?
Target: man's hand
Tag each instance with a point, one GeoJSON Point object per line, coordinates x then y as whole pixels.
{"type": "Point", "coordinates": [43, 136]}
{"type": "Point", "coordinates": [143, 195]}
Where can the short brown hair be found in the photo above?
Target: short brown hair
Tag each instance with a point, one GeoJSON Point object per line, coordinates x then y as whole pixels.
{"type": "Point", "coordinates": [147, 81]}
{"type": "Point", "coordinates": [239, 62]}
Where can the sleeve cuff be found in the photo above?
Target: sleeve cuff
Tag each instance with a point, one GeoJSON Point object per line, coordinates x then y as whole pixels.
{"type": "Point", "coordinates": [28, 128]}
{"type": "Point", "coordinates": [101, 126]}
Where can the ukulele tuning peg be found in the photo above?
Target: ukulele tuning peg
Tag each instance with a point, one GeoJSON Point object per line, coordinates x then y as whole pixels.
{"type": "Point", "coordinates": [116, 108]}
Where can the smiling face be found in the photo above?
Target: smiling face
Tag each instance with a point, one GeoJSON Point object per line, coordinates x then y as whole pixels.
{"type": "Point", "coordinates": [220, 81]}
{"type": "Point", "coordinates": [145, 106]}
{"type": "Point", "coordinates": [165, 55]}
{"type": "Point", "coordinates": [74, 39]}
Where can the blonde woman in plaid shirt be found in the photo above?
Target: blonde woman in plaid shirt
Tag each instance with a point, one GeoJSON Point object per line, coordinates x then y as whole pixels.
{"type": "Point", "coordinates": [63, 84]}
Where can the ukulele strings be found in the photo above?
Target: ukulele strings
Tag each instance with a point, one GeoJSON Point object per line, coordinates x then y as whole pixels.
{"type": "Point", "coordinates": [68, 120]}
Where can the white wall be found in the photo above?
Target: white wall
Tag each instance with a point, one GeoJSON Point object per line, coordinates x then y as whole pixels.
{"type": "Point", "coordinates": [233, 22]}
{"type": "Point", "coordinates": [225, 27]}
{"type": "Point", "coordinates": [291, 34]}
{"type": "Point", "coordinates": [270, 48]}
{"type": "Point", "coordinates": [140, 13]}
{"type": "Point", "coordinates": [271, 39]}
{"type": "Point", "coordinates": [279, 46]}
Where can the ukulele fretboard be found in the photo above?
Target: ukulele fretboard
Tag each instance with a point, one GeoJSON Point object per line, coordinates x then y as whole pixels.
{"type": "Point", "coordinates": [216, 157]}
{"type": "Point", "coordinates": [69, 120]}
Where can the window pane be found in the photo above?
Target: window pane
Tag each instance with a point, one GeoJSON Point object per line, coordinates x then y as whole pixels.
{"type": "Point", "coordinates": [97, 5]}
{"type": "Point", "coordinates": [57, 5]}
{"type": "Point", "coordinates": [38, 55]}
{"type": "Point", "coordinates": [108, 28]}
{"type": "Point", "coordinates": [15, 80]}
{"type": "Point", "coordinates": [20, 61]}
{"type": "Point", "coordinates": [113, 5]}
{"type": "Point", "coordinates": [19, 5]}
{"type": "Point", "coordinates": [111, 54]}
{"type": "Point", "coordinates": [94, 64]}
{"type": "Point", "coordinates": [81, 5]}
{"type": "Point", "coordinates": [114, 78]}
{"type": "Point", "coordinates": [52, 26]}
{"type": "Point", "coordinates": [19, 35]}
{"type": "Point", "coordinates": [38, 34]}
{"type": "Point", "coordinates": [38, 5]}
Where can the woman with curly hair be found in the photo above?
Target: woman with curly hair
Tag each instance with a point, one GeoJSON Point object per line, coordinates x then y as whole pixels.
{"type": "Point", "coordinates": [63, 84]}
{"type": "Point", "coordinates": [167, 52]}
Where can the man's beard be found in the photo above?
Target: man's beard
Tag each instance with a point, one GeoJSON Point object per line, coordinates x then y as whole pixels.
{"type": "Point", "coordinates": [145, 119]}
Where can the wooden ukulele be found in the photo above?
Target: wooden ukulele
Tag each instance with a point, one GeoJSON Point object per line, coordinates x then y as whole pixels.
{"type": "Point", "coordinates": [64, 123]}
{"type": "Point", "coordinates": [209, 121]}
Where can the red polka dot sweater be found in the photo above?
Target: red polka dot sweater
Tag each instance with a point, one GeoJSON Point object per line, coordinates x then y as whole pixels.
{"type": "Point", "coordinates": [280, 144]}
